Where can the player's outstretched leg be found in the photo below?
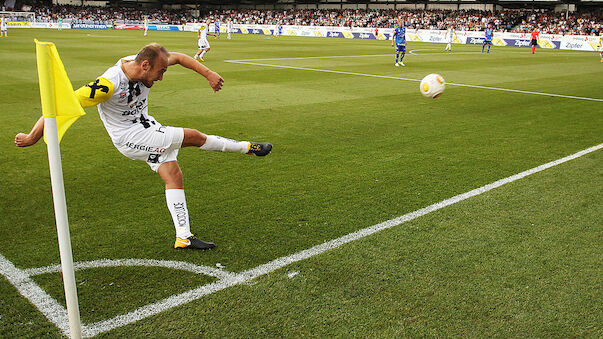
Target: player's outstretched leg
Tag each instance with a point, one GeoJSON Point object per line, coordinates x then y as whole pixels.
{"type": "Point", "coordinates": [205, 142]}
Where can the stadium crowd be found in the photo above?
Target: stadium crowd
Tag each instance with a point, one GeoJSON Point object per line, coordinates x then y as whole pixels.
{"type": "Point", "coordinates": [109, 15]}
{"type": "Point", "coordinates": [584, 23]}
{"type": "Point", "coordinates": [587, 23]}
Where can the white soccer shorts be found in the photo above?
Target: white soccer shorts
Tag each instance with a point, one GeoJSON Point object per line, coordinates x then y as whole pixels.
{"type": "Point", "coordinates": [154, 145]}
{"type": "Point", "coordinates": [203, 43]}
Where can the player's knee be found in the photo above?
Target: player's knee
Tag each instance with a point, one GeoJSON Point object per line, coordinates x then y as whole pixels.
{"type": "Point", "coordinates": [192, 137]}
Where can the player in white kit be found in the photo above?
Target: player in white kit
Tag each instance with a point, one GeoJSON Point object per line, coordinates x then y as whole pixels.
{"type": "Point", "coordinates": [449, 38]}
{"type": "Point", "coordinates": [146, 25]}
{"type": "Point", "coordinates": [229, 28]}
{"type": "Point", "coordinates": [3, 27]}
{"type": "Point", "coordinates": [202, 42]}
{"type": "Point", "coordinates": [121, 96]}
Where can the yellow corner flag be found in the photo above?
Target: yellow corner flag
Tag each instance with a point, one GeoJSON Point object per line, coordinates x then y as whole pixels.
{"type": "Point", "coordinates": [56, 93]}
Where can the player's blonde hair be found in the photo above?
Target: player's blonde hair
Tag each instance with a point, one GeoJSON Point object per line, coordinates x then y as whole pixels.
{"type": "Point", "coordinates": [150, 52]}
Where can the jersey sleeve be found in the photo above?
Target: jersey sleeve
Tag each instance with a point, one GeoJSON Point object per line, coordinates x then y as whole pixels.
{"type": "Point", "coordinates": [95, 92]}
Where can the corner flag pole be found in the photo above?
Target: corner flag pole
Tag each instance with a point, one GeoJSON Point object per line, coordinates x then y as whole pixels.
{"type": "Point", "coordinates": [47, 94]}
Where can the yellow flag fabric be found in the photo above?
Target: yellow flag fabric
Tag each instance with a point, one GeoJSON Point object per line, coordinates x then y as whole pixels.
{"type": "Point", "coordinates": [56, 93]}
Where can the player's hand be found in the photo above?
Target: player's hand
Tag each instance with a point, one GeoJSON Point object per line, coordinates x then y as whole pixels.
{"type": "Point", "coordinates": [215, 81]}
{"type": "Point", "coordinates": [23, 140]}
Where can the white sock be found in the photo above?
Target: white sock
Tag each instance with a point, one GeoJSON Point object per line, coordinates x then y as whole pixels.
{"type": "Point", "coordinates": [176, 202]}
{"type": "Point", "coordinates": [202, 54]}
{"type": "Point", "coordinates": [216, 143]}
{"type": "Point", "coordinates": [196, 56]}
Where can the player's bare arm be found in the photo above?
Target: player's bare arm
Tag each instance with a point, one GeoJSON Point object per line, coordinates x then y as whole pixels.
{"type": "Point", "coordinates": [214, 79]}
{"type": "Point", "coordinates": [24, 140]}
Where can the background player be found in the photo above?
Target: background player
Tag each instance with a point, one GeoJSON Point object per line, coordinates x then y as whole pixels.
{"type": "Point", "coordinates": [534, 41]}
{"type": "Point", "coordinates": [601, 46]}
{"type": "Point", "coordinates": [121, 96]}
{"type": "Point", "coordinates": [202, 42]}
{"type": "Point", "coordinates": [278, 30]}
{"type": "Point", "coordinates": [449, 38]}
{"type": "Point", "coordinates": [489, 34]}
{"type": "Point", "coordinates": [399, 38]}
{"type": "Point", "coordinates": [217, 29]}
{"type": "Point", "coordinates": [3, 27]}
{"type": "Point", "coordinates": [229, 28]}
{"type": "Point", "coordinates": [146, 25]}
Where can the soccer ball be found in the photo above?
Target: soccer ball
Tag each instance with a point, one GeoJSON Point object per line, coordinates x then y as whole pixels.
{"type": "Point", "coordinates": [432, 85]}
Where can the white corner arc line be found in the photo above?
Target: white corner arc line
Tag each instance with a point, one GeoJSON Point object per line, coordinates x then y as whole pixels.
{"type": "Point", "coordinates": [101, 263]}
{"type": "Point", "coordinates": [49, 307]}
{"type": "Point", "coordinates": [410, 79]}
{"type": "Point", "coordinates": [243, 277]}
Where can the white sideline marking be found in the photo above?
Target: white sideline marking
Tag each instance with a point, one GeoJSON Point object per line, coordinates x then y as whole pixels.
{"type": "Point", "coordinates": [49, 307]}
{"type": "Point", "coordinates": [410, 79]}
{"type": "Point", "coordinates": [177, 265]}
{"type": "Point", "coordinates": [314, 57]}
{"type": "Point", "coordinates": [246, 276]}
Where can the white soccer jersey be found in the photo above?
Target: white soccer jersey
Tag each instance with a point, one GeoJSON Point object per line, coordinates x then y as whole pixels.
{"type": "Point", "coordinates": [125, 113]}
{"type": "Point", "coordinates": [203, 32]}
{"type": "Point", "coordinates": [449, 35]}
{"type": "Point", "coordinates": [3, 24]}
{"type": "Point", "coordinates": [229, 26]}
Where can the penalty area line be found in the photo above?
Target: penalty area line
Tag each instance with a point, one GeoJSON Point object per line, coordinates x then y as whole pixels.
{"type": "Point", "coordinates": [411, 79]}
{"type": "Point", "coordinates": [246, 276]}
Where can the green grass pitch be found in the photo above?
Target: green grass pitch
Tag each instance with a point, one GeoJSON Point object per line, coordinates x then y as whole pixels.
{"type": "Point", "coordinates": [350, 151]}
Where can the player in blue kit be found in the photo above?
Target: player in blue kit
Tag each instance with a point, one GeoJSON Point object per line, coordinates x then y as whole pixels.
{"type": "Point", "coordinates": [488, 40]}
{"type": "Point", "coordinates": [399, 38]}
{"type": "Point", "coordinates": [217, 28]}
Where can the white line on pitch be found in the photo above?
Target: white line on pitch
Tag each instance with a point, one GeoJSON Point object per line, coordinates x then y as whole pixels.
{"type": "Point", "coordinates": [315, 57]}
{"type": "Point", "coordinates": [49, 307]}
{"type": "Point", "coordinates": [177, 265]}
{"type": "Point", "coordinates": [417, 80]}
{"type": "Point", "coordinates": [246, 276]}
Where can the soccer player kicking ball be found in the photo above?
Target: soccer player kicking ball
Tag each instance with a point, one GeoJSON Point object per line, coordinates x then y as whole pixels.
{"type": "Point", "coordinates": [489, 34]}
{"type": "Point", "coordinates": [399, 37]}
{"type": "Point", "coordinates": [121, 96]}
{"type": "Point", "coordinates": [534, 41]}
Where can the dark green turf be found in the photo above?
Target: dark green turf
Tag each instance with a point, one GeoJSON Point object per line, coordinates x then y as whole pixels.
{"type": "Point", "coordinates": [349, 152]}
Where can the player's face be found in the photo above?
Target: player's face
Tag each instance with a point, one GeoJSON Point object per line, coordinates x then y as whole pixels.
{"type": "Point", "coordinates": [156, 72]}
